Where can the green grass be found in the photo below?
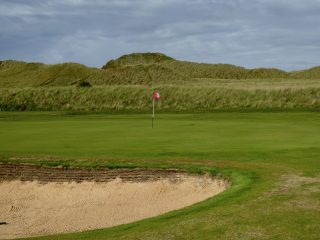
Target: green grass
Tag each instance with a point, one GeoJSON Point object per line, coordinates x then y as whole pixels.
{"type": "Point", "coordinates": [267, 156]}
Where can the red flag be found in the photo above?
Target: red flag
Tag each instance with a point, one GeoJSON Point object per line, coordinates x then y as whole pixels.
{"type": "Point", "coordinates": [156, 95]}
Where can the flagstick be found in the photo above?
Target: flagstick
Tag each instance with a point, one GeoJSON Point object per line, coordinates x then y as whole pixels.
{"type": "Point", "coordinates": [152, 111]}
{"type": "Point", "coordinates": [152, 97]}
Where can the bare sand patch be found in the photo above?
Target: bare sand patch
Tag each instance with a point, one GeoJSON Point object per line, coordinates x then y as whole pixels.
{"type": "Point", "coordinates": [42, 207]}
{"type": "Point", "coordinates": [290, 183]}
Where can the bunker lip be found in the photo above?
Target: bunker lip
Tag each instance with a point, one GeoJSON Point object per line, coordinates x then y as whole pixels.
{"type": "Point", "coordinates": [31, 172]}
{"type": "Point", "coordinates": [38, 201]}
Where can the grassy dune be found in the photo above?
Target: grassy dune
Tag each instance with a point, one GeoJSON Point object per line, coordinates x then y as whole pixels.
{"type": "Point", "coordinates": [124, 84]}
{"type": "Point", "coordinates": [140, 69]}
{"type": "Point", "coordinates": [271, 158]}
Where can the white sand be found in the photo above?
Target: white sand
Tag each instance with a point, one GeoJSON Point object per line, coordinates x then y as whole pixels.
{"type": "Point", "coordinates": [35, 209]}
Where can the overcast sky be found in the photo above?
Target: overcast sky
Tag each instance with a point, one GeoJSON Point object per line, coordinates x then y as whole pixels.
{"type": "Point", "coordinates": [250, 33]}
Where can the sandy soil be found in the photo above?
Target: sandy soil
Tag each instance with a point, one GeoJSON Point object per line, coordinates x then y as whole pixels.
{"type": "Point", "coordinates": [33, 208]}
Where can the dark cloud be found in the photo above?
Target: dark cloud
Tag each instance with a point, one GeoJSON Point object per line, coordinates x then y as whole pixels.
{"type": "Point", "coordinates": [251, 33]}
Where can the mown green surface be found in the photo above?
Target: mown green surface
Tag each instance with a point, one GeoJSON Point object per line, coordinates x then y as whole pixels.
{"type": "Point", "coordinates": [272, 159]}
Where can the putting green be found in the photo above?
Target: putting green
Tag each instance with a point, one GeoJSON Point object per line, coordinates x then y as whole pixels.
{"type": "Point", "coordinates": [272, 159]}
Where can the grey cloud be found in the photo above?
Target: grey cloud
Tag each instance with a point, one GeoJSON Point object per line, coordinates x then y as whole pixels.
{"type": "Point", "coordinates": [251, 33]}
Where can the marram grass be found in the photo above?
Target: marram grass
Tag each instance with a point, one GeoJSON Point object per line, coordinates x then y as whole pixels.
{"type": "Point", "coordinates": [137, 98]}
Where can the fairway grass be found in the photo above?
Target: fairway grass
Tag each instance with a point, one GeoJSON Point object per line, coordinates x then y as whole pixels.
{"type": "Point", "coordinates": [272, 160]}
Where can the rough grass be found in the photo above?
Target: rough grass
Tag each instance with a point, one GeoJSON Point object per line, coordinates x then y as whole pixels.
{"type": "Point", "coordinates": [271, 158]}
{"type": "Point", "coordinates": [136, 98]}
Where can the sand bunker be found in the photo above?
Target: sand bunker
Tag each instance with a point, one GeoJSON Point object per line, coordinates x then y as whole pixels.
{"type": "Point", "coordinates": [41, 204]}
